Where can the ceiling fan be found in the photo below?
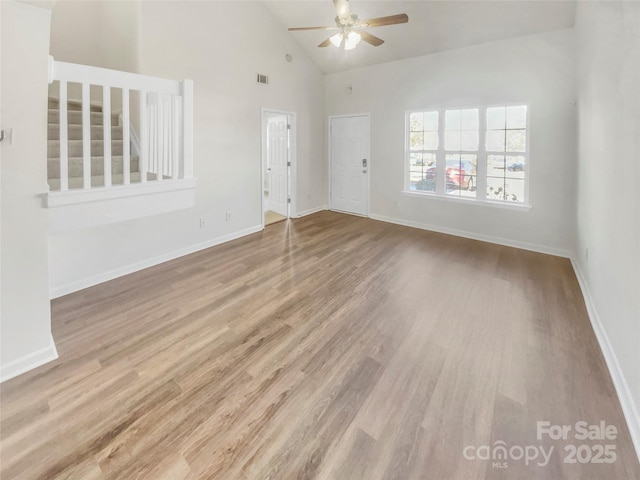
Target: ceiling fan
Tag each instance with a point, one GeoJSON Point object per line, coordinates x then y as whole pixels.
{"type": "Point", "coordinates": [351, 26]}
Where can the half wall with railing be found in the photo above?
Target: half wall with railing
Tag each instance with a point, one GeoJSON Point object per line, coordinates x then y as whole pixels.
{"type": "Point", "coordinates": [114, 134]}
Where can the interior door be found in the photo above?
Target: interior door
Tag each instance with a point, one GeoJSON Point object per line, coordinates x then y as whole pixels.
{"type": "Point", "coordinates": [278, 164]}
{"type": "Point", "coordinates": [349, 143]}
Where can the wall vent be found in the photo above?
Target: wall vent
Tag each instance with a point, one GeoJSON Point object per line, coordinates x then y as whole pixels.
{"type": "Point", "coordinates": [263, 79]}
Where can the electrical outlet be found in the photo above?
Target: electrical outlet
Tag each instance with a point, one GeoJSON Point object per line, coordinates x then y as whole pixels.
{"type": "Point", "coordinates": [203, 223]}
{"type": "Point", "coordinates": [228, 217]}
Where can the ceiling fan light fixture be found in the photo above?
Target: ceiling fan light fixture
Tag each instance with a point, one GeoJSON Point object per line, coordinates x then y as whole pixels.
{"type": "Point", "coordinates": [336, 39]}
{"type": "Point", "coordinates": [351, 40]}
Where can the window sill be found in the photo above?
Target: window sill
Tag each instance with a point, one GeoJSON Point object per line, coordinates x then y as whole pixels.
{"type": "Point", "coordinates": [469, 201]}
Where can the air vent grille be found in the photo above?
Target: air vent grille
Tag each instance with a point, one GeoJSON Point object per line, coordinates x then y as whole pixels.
{"type": "Point", "coordinates": [263, 79]}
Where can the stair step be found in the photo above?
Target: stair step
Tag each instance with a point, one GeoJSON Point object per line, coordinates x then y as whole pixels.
{"type": "Point", "coordinates": [97, 166]}
{"type": "Point", "coordinates": [73, 105]}
{"type": "Point", "coordinates": [75, 148]}
{"type": "Point", "coordinates": [75, 117]}
{"type": "Point", "coordinates": [97, 181]}
{"type": "Point", "coordinates": [74, 132]}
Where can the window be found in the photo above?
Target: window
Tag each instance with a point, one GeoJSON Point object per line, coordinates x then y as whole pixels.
{"type": "Point", "coordinates": [506, 140]}
{"type": "Point", "coordinates": [475, 153]}
{"type": "Point", "coordinates": [461, 134]}
{"type": "Point", "coordinates": [423, 141]}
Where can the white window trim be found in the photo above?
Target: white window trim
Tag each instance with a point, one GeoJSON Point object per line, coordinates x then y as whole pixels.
{"type": "Point", "coordinates": [482, 153]}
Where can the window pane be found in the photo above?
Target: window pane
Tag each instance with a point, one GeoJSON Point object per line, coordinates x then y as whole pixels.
{"type": "Point", "coordinates": [416, 122]}
{"type": "Point", "coordinates": [514, 190]}
{"type": "Point", "coordinates": [516, 141]}
{"type": "Point", "coordinates": [429, 160]}
{"type": "Point", "coordinates": [423, 178]}
{"type": "Point", "coordinates": [495, 188]}
{"type": "Point", "coordinates": [495, 118]}
{"type": "Point", "coordinates": [517, 117]}
{"type": "Point", "coordinates": [416, 141]}
{"type": "Point", "coordinates": [515, 166]}
{"type": "Point", "coordinates": [470, 119]}
{"type": "Point", "coordinates": [415, 176]}
{"type": "Point", "coordinates": [415, 159]}
{"type": "Point", "coordinates": [468, 178]}
{"type": "Point", "coordinates": [469, 140]}
{"type": "Point", "coordinates": [452, 120]}
{"type": "Point", "coordinates": [430, 121]}
{"type": "Point", "coordinates": [452, 186]}
{"type": "Point", "coordinates": [495, 140]}
{"type": "Point", "coordinates": [452, 140]}
{"type": "Point", "coordinates": [495, 165]}
{"type": "Point", "coordinates": [430, 140]}
{"type": "Point", "coordinates": [460, 175]}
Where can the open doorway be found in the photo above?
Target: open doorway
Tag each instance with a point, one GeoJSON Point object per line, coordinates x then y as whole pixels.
{"type": "Point", "coordinates": [278, 152]}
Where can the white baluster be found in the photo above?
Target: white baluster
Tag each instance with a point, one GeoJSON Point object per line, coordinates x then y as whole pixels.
{"type": "Point", "coordinates": [106, 121]}
{"type": "Point", "coordinates": [86, 136]}
{"type": "Point", "coordinates": [153, 117]}
{"type": "Point", "coordinates": [166, 135]}
{"type": "Point", "coordinates": [187, 127]}
{"type": "Point", "coordinates": [126, 143]}
{"type": "Point", "coordinates": [159, 138]}
{"type": "Point", "coordinates": [175, 137]}
{"type": "Point", "coordinates": [64, 138]}
{"type": "Point", "coordinates": [144, 137]}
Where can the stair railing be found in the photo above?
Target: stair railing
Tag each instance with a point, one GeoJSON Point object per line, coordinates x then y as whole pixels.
{"type": "Point", "coordinates": [165, 113]}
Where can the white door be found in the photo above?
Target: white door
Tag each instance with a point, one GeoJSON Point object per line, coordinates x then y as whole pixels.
{"type": "Point", "coordinates": [278, 164]}
{"type": "Point", "coordinates": [349, 143]}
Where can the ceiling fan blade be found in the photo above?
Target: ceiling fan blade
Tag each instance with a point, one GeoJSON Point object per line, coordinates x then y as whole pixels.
{"type": "Point", "coordinates": [326, 43]}
{"type": "Point", "coordinates": [312, 28]}
{"type": "Point", "coordinates": [372, 39]}
{"type": "Point", "coordinates": [382, 21]}
{"type": "Point", "coordinates": [343, 9]}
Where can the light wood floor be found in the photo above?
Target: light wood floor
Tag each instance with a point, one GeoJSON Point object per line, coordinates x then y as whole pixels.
{"type": "Point", "coordinates": [272, 217]}
{"type": "Point", "coordinates": [328, 347]}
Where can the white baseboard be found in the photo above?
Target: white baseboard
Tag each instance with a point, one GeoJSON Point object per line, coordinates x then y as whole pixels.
{"type": "Point", "coordinates": [127, 269]}
{"type": "Point", "coordinates": [622, 387]}
{"type": "Point", "coordinates": [304, 213]}
{"type": "Point", "coordinates": [29, 362]}
{"type": "Point", "coordinates": [476, 236]}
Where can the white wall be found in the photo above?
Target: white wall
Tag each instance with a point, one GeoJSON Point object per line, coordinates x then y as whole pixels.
{"type": "Point", "coordinates": [25, 324]}
{"type": "Point", "coordinates": [202, 41]}
{"type": "Point", "coordinates": [537, 70]}
{"type": "Point", "coordinates": [98, 33]}
{"type": "Point", "coordinates": [608, 197]}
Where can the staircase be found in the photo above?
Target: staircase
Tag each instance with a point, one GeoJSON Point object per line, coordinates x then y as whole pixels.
{"type": "Point", "coordinates": [75, 147]}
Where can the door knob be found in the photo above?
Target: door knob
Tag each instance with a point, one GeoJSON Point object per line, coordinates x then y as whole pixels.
{"type": "Point", "coordinates": [364, 171]}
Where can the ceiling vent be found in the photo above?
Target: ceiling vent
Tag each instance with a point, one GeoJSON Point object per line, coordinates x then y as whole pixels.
{"type": "Point", "coordinates": [262, 79]}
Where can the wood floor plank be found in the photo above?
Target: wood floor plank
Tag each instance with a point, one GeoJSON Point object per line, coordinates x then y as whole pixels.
{"type": "Point", "coordinates": [330, 347]}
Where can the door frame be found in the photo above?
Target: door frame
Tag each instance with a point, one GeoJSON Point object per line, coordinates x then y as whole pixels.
{"type": "Point", "coordinates": [330, 162]}
{"type": "Point", "coordinates": [291, 184]}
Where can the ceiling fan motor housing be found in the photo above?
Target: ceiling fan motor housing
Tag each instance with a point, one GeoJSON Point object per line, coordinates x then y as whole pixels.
{"type": "Point", "coordinates": [347, 21]}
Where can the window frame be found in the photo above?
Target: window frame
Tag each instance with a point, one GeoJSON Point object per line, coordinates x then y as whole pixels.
{"type": "Point", "coordinates": [482, 153]}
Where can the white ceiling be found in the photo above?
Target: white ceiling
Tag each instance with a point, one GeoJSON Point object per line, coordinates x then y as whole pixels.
{"type": "Point", "coordinates": [434, 26]}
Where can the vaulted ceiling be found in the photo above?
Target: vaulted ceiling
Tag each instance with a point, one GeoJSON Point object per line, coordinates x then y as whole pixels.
{"type": "Point", "coordinates": [434, 26]}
